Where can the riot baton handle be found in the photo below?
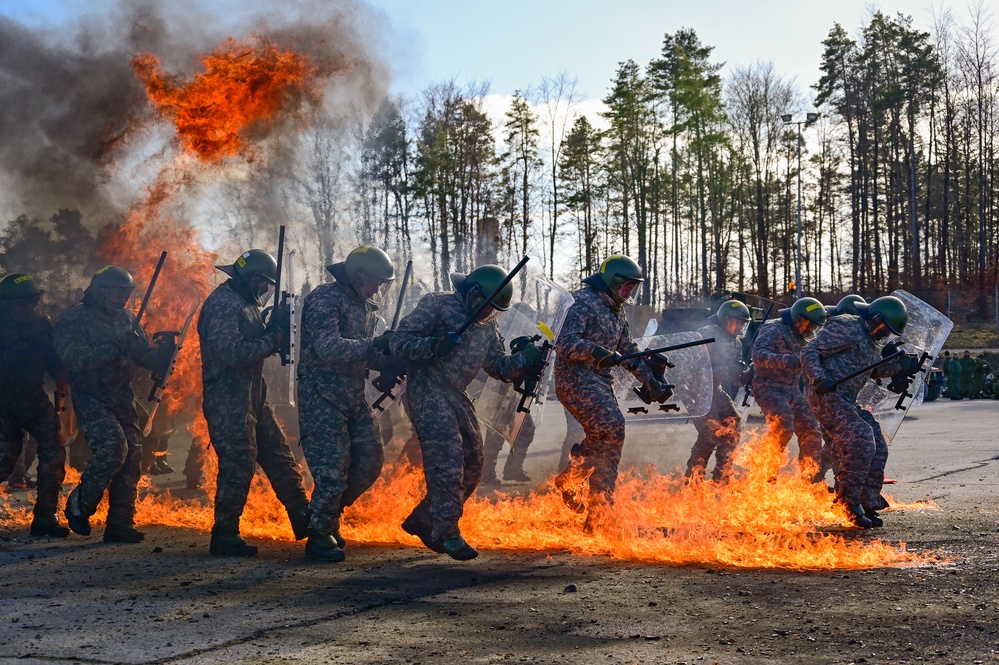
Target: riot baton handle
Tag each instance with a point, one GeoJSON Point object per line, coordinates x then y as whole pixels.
{"type": "Point", "coordinates": [456, 336]}
{"type": "Point", "coordinates": [280, 265]}
{"type": "Point", "coordinates": [884, 361]}
{"type": "Point", "coordinates": [402, 293]}
{"type": "Point", "coordinates": [665, 349]}
{"type": "Point", "coordinates": [149, 289]}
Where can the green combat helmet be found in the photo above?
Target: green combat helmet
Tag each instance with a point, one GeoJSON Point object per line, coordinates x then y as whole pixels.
{"type": "Point", "coordinates": [369, 271]}
{"type": "Point", "coordinates": [617, 272]}
{"type": "Point", "coordinates": [847, 305]}
{"type": "Point", "coordinates": [19, 287]}
{"type": "Point", "coordinates": [734, 317]}
{"type": "Point", "coordinates": [888, 310]}
{"type": "Point", "coordinates": [480, 284]}
{"type": "Point", "coordinates": [110, 288]}
{"type": "Point", "coordinates": [806, 316]}
{"type": "Point", "coordinates": [252, 263]}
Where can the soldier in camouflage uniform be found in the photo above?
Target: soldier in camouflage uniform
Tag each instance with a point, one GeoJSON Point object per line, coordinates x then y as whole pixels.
{"type": "Point", "coordinates": [100, 344]}
{"type": "Point", "coordinates": [776, 378]}
{"type": "Point", "coordinates": [844, 345]}
{"type": "Point", "coordinates": [340, 436]}
{"type": "Point", "coordinates": [442, 414]}
{"type": "Point", "coordinates": [241, 424]}
{"type": "Point", "coordinates": [26, 354]}
{"type": "Point", "coordinates": [718, 431]}
{"type": "Point", "coordinates": [593, 338]}
{"type": "Point", "coordinates": [968, 376]}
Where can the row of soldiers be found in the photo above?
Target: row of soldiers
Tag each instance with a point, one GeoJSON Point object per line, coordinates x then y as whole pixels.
{"type": "Point", "coordinates": [440, 346]}
{"type": "Point", "coordinates": [965, 375]}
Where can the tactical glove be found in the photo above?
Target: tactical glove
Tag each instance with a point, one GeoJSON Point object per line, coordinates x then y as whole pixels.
{"type": "Point", "coordinates": [658, 391]}
{"type": "Point", "coordinates": [824, 386]}
{"type": "Point", "coordinates": [132, 344]}
{"type": "Point", "coordinates": [747, 375]}
{"type": "Point", "coordinates": [891, 347]}
{"type": "Point", "coordinates": [155, 359]}
{"type": "Point", "coordinates": [444, 346]}
{"type": "Point", "coordinates": [280, 318]}
{"type": "Point", "coordinates": [532, 354]}
{"type": "Point", "coordinates": [909, 363]}
{"type": "Point", "coordinates": [380, 344]}
{"type": "Point", "coordinates": [605, 357]}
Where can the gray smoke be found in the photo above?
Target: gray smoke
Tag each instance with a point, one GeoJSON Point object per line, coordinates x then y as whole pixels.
{"type": "Point", "coordinates": [76, 130]}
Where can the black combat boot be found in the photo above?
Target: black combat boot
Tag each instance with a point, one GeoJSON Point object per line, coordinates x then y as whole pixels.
{"type": "Point", "coordinates": [78, 522]}
{"type": "Point", "coordinates": [424, 532]}
{"type": "Point", "coordinates": [874, 518]}
{"type": "Point", "coordinates": [47, 525]}
{"type": "Point", "coordinates": [323, 548]}
{"type": "Point", "coordinates": [858, 517]}
{"type": "Point", "coordinates": [231, 544]}
{"type": "Point", "coordinates": [300, 518]}
{"type": "Point", "coordinates": [458, 549]}
{"type": "Point", "coordinates": [122, 533]}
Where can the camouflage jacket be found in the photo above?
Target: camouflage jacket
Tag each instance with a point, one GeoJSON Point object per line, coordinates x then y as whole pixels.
{"type": "Point", "coordinates": [26, 354]}
{"type": "Point", "coordinates": [593, 320]}
{"type": "Point", "coordinates": [337, 327]}
{"type": "Point", "coordinates": [87, 339]}
{"type": "Point", "coordinates": [775, 353]}
{"type": "Point", "coordinates": [841, 347]}
{"type": "Point", "coordinates": [726, 357]}
{"type": "Point", "coordinates": [234, 343]}
{"type": "Point", "coordinates": [481, 347]}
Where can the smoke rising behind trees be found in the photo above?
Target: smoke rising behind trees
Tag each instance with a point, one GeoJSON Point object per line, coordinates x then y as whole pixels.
{"type": "Point", "coordinates": [690, 171]}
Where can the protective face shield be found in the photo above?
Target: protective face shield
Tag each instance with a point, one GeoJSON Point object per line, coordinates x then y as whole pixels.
{"type": "Point", "coordinates": [261, 287]}
{"type": "Point", "coordinates": [881, 333]}
{"type": "Point", "coordinates": [22, 310]}
{"type": "Point", "coordinates": [372, 289]}
{"type": "Point", "coordinates": [473, 299]}
{"type": "Point", "coordinates": [625, 290]}
{"type": "Point", "coordinates": [736, 327]}
{"type": "Point", "coordinates": [116, 297]}
{"type": "Point", "coordinates": [806, 328]}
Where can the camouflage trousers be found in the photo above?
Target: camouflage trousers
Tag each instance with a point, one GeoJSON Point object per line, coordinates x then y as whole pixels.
{"type": "Point", "coordinates": [853, 447]}
{"type": "Point", "coordinates": [343, 448]}
{"type": "Point", "coordinates": [573, 435]}
{"type": "Point", "coordinates": [787, 413]}
{"type": "Point", "coordinates": [594, 406]}
{"type": "Point", "coordinates": [111, 428]}
{"type": "Point", "coordinates": [38, 420]}
{"type": "Point", "coordinates": [870, 497]}
{"type": "Point", "coordinates": [514, 464]}
{"type": "Point", "coordinates": [451, 444]}
{"type": "Point", "coordinates": [241, 442]}
{"type": "Point", "coordinates": [718, 433]}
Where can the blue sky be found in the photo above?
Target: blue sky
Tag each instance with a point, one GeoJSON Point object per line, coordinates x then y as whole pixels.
{"type": "Point", "coordinates": [512, 44]}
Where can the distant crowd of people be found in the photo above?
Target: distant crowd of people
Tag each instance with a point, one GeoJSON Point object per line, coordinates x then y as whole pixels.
{"type": "Point", "coordinates": [968, 376]}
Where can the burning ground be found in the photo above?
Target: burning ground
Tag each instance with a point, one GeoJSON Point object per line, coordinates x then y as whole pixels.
{"type": "Point", "coordinates": [167, 601]}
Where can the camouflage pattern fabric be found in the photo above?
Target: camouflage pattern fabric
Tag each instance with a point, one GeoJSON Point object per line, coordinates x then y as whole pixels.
{"type": "Point", "coordinates": [574, 434]}
{"type": "Point", "coordinates": [838, 349]}
{"type": "Point", "coordinates": [870, 497]}
{"type": "Point", "coordinates": [26, 354]}
{"type": "Point", "coordinates": [718, 431]}
{"type": "Point", "coordinates": [241, 423]}
{"type": "Point", "coordinates": [587, 393]}
{"type": "Point", "coordinates": [86, 339]}
{"type": "Point", "coordinates": [339, 434]}
{"type": "Point", "coordinates": [777, 392]}
{"type": "Point", "coordinates": [442, 414]}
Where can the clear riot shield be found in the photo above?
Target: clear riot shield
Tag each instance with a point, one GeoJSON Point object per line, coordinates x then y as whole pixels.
{"type": "Point", "coordinates": [925, 333]}
{"type": "Point", "coordinates": [282, 380]}
{"type": "Point", "coordinates": [539, 311]}
{"type": "Point", "coordinates": [690, 374]}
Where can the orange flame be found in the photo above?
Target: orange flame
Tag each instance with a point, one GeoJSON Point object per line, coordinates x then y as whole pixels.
{"type": "Point", "coordinates": [245, 85]}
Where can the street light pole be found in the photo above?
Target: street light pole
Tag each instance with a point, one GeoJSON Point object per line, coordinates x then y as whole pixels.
{"type": "Point", "coordinates": [809, 119]}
